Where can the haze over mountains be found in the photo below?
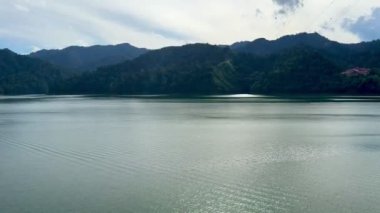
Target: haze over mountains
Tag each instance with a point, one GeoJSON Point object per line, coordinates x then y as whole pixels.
{"type": "Point", "coordinates": [302, 63]}
{"type": "Point", "coordinates": [82, 59]}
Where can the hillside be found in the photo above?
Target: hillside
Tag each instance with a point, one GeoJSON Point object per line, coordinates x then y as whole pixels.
{"type": "Point", "coordinates": [303, 63]}
{"type": "Point", "coordinates": [25, 75]}
{"type": "Point", "coordinates": [196, 68]}
{"type": "Point", "coordinates": [206, 69]}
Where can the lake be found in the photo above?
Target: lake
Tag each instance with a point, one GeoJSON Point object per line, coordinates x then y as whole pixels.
{"type": "Point", "coordinates": [237, 153]}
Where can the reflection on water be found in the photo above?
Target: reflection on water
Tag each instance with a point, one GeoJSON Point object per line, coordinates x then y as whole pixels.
{"type": "Point", "coordinates": [236, 153]}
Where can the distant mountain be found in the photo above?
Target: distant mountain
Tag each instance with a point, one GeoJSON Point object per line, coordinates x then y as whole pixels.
{"type": "Point", "coordinates": [265, 47]}
{"type": "Point", "coordinates": [344, 55]}
{"type": "Point", "coordinates": [24, 75]}
{"type": "Point", "coordinates": [81, 59]}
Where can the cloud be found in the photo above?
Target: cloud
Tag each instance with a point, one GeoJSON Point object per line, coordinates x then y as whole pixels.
{"type": "Point", "coordinates": [35, 48]}
{"type": "Point", "coordinates": [366, 27]}
{"type": "Point", "coordinates": [258, 13]}
{"type": "Point", "coordinates": [287, 6]}
{"type": "Point", "coordinates": [142, 25]}
{"type": "Point", "coordinates": [25, 24]}
{"type": "Point", "coordinates": [326, 26]}
{"type": "Point", "coordinates": [21, 8]}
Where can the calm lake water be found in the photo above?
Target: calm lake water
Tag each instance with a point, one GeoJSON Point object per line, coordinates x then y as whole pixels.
{"type": "Point", "coordinates": [205, 154]}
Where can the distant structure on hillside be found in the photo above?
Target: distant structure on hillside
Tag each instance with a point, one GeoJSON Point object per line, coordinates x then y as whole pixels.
{"type": "Point", "coordinates": [357, 71]}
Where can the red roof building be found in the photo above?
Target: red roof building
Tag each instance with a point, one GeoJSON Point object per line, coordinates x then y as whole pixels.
{"type": "Point", "coordinates": [357, 71]}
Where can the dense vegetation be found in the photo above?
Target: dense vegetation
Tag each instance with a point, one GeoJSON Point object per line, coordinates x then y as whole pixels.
{"type": "Point", "coordinates": [304, 63]}
{"type": "Point", "coordinates": [197, 68]}
{"type": "Point", "coordinates": [24, 75]}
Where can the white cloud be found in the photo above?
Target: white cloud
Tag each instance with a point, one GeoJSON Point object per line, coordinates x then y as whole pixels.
{"type": "Point", "coordinates": [21, 7]}
{"type": "Point", "coordinates": [287, 6]}
{"type": "Point", "coordinates": [366, 27]}
{"type": "Point", "coordinates": [154, 24]}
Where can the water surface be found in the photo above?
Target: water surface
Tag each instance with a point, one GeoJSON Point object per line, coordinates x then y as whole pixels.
{"type": "Point", "coordinates": [203, 154]}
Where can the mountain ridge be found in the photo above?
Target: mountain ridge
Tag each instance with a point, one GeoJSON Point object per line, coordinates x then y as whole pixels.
{"type": "Point", "coordinates": [263, 46]}
{"type": "Point", "coordinates": [301, 63]}
{"type": "Point", "coordinates": [80, 59]}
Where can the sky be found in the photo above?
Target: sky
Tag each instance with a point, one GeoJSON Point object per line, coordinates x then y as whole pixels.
{"type": "Point", "coordinates": [31, 25]}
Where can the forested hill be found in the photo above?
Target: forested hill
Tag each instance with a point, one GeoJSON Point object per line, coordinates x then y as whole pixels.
{"type": "Point", "coordinates": [25, 75]}
{"type": "Point", "coordinates": [79, 59]}
{"type": "Point", "coordinates": [205, 69]}
{"type": "Point", "coordinates": [196, 68]}
{"type": "Point", "coordinates": [303, 63]}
